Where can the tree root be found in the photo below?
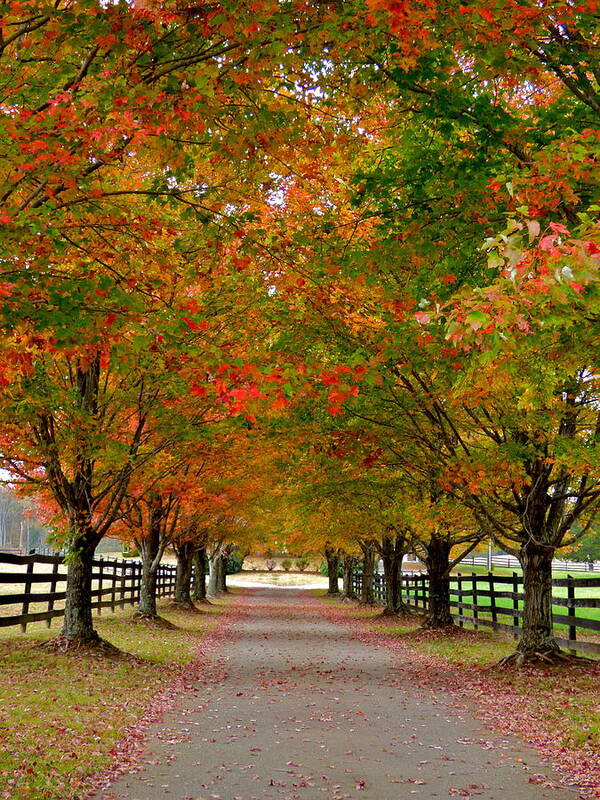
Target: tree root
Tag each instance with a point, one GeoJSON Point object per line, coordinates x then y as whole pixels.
{"type": "Point", "coordinates": [79, 646]}
{"type": "Point", "coordinates": [153, 620]}
{"type": "Point", "coordinates": [549, 657]}
{"type": "Point", "coordinates": [429, 625]}
{"type": "Point", "coordinates": [399, 612]}
{"type": "Point", "coordinates": [189, 607]}
{"type": "Point", "coordinates": [387, 612]}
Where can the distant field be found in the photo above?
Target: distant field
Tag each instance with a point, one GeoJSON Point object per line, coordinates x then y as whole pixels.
{"type": "Point", "coordinates": [297, 579]}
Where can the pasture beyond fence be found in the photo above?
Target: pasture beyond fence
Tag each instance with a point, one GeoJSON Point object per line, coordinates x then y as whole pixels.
{"type": "Point", "coordinates": [510, 562]}
{"type": "Point", "coordinates": [37, 593]}
{"type": "Point", "coordinates": [496, 601]}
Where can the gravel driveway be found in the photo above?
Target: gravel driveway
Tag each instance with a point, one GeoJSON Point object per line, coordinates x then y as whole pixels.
{"type": "Point", "coordinates": [302, 711]}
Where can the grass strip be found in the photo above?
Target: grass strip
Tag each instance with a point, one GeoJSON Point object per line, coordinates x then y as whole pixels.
{"type": "Point", "coordinates": [61, 715]}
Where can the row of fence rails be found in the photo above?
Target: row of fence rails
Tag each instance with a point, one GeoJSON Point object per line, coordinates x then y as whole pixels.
{"type": "Point", "coordinates": [492, 600]}
{"type": "Point", "coordinates": [379, 588]}
{"type": "Point", "coordinates": [496, 601]}
{"type": "Point", "coordinates": [510, 562]}
{"type": "Point", "coordinates": [571, 619]}
{"type": "Point", "coordinates": [414, 588]}
{"type": "Point", "coordinates": [33, 587]}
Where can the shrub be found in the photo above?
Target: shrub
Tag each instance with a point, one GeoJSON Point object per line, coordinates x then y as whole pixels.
{"type": "Point", "coordinates": [270, 564]}
{"type": "Point", "coordinates": [324, 570]}
{"type": "Point", "coordinates": [301, 564]}
{"type": "Point", "coordinates": [286, 564]}
{"type": "Point", "coordinates": [234, 563]}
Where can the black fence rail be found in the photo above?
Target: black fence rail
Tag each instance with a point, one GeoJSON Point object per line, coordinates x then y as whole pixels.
{"type": "Point", "coordinates": [496, 601]}
{"type": "Point", "coordinates": [115, 583]}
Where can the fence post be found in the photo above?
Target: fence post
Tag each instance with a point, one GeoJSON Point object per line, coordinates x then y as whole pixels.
{"type": "Point", "coordinates": [53, 581]}
{"type": "Point", "coordinates": [515, 582]}
{"type": "Point", "coordinates": [139, 582]}
{"type": "Point", "coordinates": [123, 566]}
{"type": "Point", "coordinates": [27, 593]}
{"type": "Point", "coordinates": [113, 593]}
{"type": "Point", "coordinates": [474, 597]}
{"type": "Point", "coordinates": [134, 583]}
{"type": "Point", "coordinates": [423, 591]}
{"type": "Point", "coordinates": [493, 600]}
{"type": "Point", "coordinates": [459, 599]}
{"type": "Point", "coordinates": [571, 608]}
{"type": "Point", "coordinates": [134, 575]}
{"type": "Point", "coordinates": [100, 577]}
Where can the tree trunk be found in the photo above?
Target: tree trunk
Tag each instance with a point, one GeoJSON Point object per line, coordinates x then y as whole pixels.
{"type": "Point", "coordinates": [149, 547]}
{"type": "Point", "coordinates": [537, 637]}
{"type": "Point", "coordinates": [147, 601]}
{"type": "Point", "coordinates": [183, 576]}
{"type": "Point", "coordinates": [438, 567]}
{"type": "Point", "coordinates": [213, 578]}
{"type": "Point", "coordinates": [333, 563]}
{"type": "Point", "coordinates": [367, 596]}
{"type": "Point", "coordinates": [199, 593]}
{"type": "Point", "coordinates": [223, 572]}
{"type": "Point", "coordinates": [347, 587]}
{"type": "Point", "coordinates": [393, 547]}
{"type": "Point", "coordinates": [77, 622]}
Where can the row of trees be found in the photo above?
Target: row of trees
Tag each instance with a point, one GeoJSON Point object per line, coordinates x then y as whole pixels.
{"type": "Point", "coordinates": [361, 234]}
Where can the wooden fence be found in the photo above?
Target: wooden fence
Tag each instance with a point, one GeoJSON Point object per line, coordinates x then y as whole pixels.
{"type": "Point", "coordinates": [496, 601]}
{"type": "Point", "coordinates": [115, 582]}
{"type": "Point", "coordinates": [510, 562]}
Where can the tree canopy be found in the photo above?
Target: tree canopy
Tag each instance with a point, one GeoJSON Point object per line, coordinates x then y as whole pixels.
{"type": "Point", "coordinates": [326, 269]}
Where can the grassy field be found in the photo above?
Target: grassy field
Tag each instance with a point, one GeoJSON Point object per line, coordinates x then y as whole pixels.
{"type": "Point", "coordinates": [61, 715]}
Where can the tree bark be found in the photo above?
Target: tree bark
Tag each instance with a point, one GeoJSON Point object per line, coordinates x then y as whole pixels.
{"type": "Point", "coordinates": [333, 563]}
{"type": "Point", "coordinates": [77, 622]}
{"type": "Point", "coordinates": [150, 551]}
{"type": "Point", "coordinates": [213, 578]}
{"type": "Point", "coordinates": [393, 548]}
{"type": "Point", "coordinates": [147, 601]}
{"type": "Point", "coordinates": [183, 576]}
{"type": "Point", "coordinates": [223, 572]}
{"type": "Point", "coordinates": [537, 637]}
{"type": "Point", "coordinates": [199, 592]}
{"type": "Point", "coordinates": [438, 567]}
{"type": "Point", "coordinates": [347, 587]}
{"type": "Point", "coordinates": [367, 596]}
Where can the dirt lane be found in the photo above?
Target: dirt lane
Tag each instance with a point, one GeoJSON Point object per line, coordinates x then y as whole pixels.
{"type": "Point", "coordinates": [303, 712]}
